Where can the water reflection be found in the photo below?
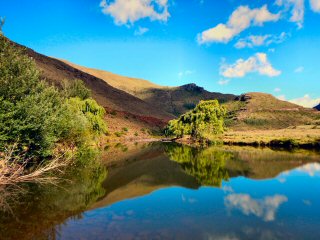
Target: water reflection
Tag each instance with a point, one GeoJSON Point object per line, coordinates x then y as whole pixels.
{"type": "Point", "coordinates": [207, 166]}
{"type": "Point", "coordinates": [168, 191]}
{"type": "Point", "coordinates": [40, 212]}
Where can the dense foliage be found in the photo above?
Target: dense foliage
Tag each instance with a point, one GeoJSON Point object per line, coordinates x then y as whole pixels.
{"type": "Point", "coordinates": [206, 118]}
{"type": "Point", "coordinates": [35, 116]}
{"type": "Point", "coordinates": [207, 166]}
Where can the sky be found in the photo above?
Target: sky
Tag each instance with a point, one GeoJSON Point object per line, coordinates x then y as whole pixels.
{"type": "Point", "coordinates": [229, 46]}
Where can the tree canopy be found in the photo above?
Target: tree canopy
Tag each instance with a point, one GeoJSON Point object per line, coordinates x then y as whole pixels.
{"type": "Point", "coordinates": [206, 118]}
{"type": "Point", "coordinates": [36, 116]}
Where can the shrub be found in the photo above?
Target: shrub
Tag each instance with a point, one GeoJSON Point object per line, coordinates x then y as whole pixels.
{"type": "Point", "coordinates": [206, 118]}
{"type": "Point", "coordinates": [35, 116]}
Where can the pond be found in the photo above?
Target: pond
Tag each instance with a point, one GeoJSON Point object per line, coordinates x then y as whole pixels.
{"type": "Point", "coordinates": [169, 191]}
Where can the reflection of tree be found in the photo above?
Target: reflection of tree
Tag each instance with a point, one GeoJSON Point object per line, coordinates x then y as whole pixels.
{"type": "Point", "coordinates": [206, 165]}
{"type": "Point", "coordinates": [36, 213]}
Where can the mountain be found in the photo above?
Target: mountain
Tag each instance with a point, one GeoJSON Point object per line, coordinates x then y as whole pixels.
{"type": "Point", "coordinates": [264, 111]}
{"type": "Point", "coordinates": [317, 107]}
{"type": "Point", "coordinates": [172, 100]}
{"type": "Point", "coordinates": [138, 104]}
{"type": "Point", "coordinates": [56, 71]}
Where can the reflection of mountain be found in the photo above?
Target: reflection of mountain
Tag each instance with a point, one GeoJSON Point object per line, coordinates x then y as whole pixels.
{"type": "Point", "coordinates": [152, 171]}
{"type": "Point", "coordinates": [265, 163]}
{"type": "Point", "coordinates": [160, 166]}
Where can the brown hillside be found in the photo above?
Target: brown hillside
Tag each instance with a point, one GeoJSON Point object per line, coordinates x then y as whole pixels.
{"type": "Point", "coordinates": [56, 71]}
{"type": "Point", "coordinates": [173, 100]}
{"type": "Point", "coordinates": [264, 111]}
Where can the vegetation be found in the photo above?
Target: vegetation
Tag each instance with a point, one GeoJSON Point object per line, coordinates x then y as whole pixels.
{"type": "Point", "coordinates": [207, 118]}
{"type": "Point", "coordinates": [206, 165]}
{"type": "Point", "coordinates": [36, 118]}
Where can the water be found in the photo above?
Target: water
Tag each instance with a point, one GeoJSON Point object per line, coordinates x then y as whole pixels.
{"type": "Point", "coordinates": [175, 192]}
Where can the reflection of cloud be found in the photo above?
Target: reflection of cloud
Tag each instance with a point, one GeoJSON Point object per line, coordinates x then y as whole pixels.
{"type": "Point", "coordinates": [312, 169]}
{"type": "Point", "coordinates": [189, 200]}
{"type": "Point", "coordinates": [227, 189]}
{"type": "Point", "coordinates": [282, 180]}
{"type": "Point", "coordinates": [307, 202]}
{"type": "Point", "coordinates": [264, 208]}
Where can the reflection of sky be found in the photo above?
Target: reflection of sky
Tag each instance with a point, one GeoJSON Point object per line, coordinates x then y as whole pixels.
{"type": "Point", "coordinates": [242, 209]}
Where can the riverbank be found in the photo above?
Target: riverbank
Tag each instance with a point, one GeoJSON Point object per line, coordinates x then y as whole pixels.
{"type": "Point", "coordinates": [286, 138]}
{"type": "Point", "coordinates": [305, 138]}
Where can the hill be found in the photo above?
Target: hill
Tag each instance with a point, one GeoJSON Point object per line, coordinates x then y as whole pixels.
{"type": "Point", "coordinates": [56, 72]}
{"type": "Point", "coordinates": [172, 100]}
{"type": "Point", "coordinates": [263, 111]}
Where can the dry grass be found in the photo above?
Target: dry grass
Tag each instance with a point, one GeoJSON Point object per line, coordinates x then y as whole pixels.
{"type": "Point", "coordinates": [300, 135]}
{"type": "Point", "coordinates": [13, 169]}
{"type": "Point", "coordinates": [265, 112]}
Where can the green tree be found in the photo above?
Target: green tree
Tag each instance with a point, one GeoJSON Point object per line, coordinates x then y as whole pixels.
{"type": "Point", "coordinates": [35, 116]}
{"type": "Point", "coordinates": [205, 119]}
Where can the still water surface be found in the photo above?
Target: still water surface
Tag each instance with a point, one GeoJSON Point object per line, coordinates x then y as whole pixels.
{"type": "Point", "coordinates": [167, 191]}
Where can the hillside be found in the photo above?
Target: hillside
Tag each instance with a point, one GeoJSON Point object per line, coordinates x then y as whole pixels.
{"type": "Point", "coordinates": [56, 71]}
{"type": "Point", "coordinates": [173, 100]}
{"type": "Point", "coordinates": [263, 111]}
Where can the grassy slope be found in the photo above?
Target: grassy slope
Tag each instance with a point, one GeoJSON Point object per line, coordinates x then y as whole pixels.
{"type": "Point", "coordinates": [260, 111]}
{"type": "Point", "coordinates": [258, 118]}
{"type": "Point", "coordinates": [173, 100]}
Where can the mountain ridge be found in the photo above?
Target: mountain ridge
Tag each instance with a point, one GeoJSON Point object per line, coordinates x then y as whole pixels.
{"type": "Point", "coordinates": [173, 100]}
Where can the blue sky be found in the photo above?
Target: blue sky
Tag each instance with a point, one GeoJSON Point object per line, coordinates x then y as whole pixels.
{"type": "Point", "coordinates": [230, 46]}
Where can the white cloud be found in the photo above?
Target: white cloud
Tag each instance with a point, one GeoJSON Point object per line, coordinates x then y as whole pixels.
{"type": "Point", "coordinates": [265, 208]}
{"type": "Point", "coordinates": [315, 5]}
{"type": "Point", "coordinates": [257, 63]}
{"type": "Point", "coordinates": [306, 101]}
{"type": "Point", "coordinates": [185, 73]}
{"type": "Point", "coordinates": [130, 11]}
{"type": "Point", "coordinates": [297, 10]}
{"type": "Point", "coordinates": [260, 40]}
{"type": "Point", "coordinates": [140, 31]}
{"type": "Point", "coordinates": [299, 69]}
{"type": "Point", "coordinates": [277, 90]}
{"type": "Point", "coordinates": [223, 81]}
{"type": "Point", "coordinates": [312, 169]}
{"type": "Point", "coordinates": [241, 19]}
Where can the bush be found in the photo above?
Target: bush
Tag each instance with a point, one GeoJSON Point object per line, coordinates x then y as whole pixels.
{"type": "Point", "coordinates": [35, 116]}
{"type": "Point", "coordinates": [206, 118]}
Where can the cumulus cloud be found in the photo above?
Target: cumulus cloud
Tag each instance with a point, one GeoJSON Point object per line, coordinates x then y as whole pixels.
{"type": "Point", "coordinates": [257, 63]}
{"type": "Point", "coordinates": [241, 19]}
{"type": "Point", "coordinates": [296, 8]}
{"type": "Point", "coordinates": [260, 40]}
{"type": "Point", "coordinates": [140, 31]}
{"type": "Point", "coordinates": [130, 11]}
{"type": "Point", "coordinates": [306, 101]}
{"type": "Point", "coordinates": [265, 208]}
{"type": "Point", "coordinates": [315, 5]}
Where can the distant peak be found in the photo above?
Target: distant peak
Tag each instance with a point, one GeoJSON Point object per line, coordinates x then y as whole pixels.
{"type": "Point", "coordinates": [192, 87]}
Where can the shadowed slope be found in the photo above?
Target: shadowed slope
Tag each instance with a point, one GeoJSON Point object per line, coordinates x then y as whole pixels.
{"type": "Point", "coordinates": [56, 71]}
{"type": "Point", "coordinates": [173, 100]}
